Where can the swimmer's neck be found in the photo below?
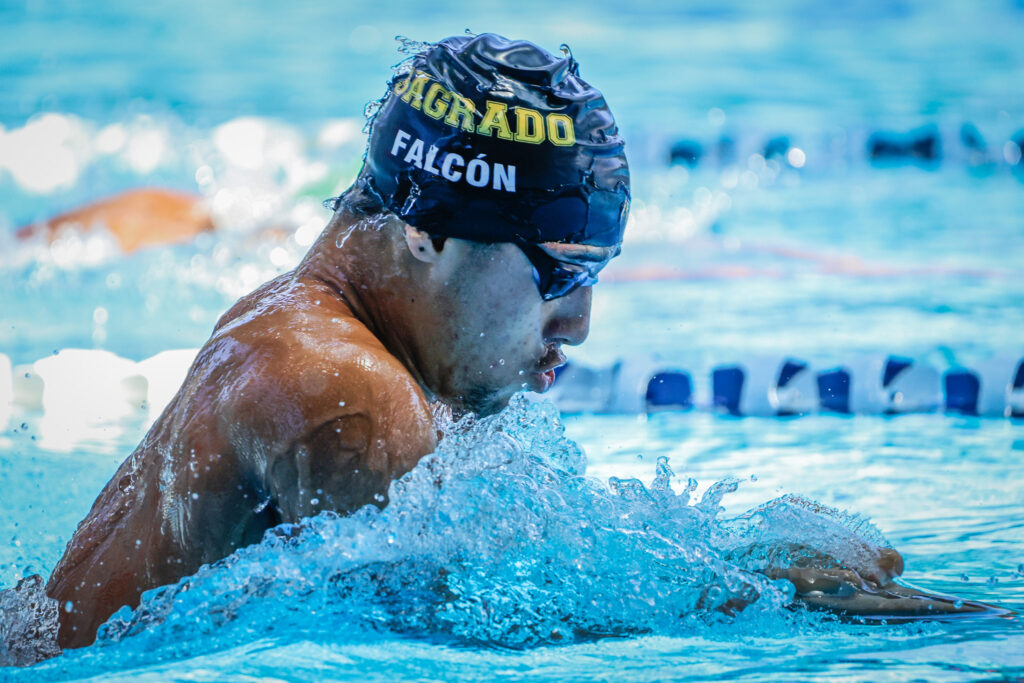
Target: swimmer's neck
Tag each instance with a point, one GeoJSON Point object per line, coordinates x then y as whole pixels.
{"type": "Point", "coordinates": [362, 268]}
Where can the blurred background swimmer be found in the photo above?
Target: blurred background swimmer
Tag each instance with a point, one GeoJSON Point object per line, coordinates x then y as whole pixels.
{"type": "Point", "coordinates": [137, 219]}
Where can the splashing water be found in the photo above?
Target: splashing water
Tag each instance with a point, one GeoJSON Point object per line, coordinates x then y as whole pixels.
{"type": "Point", "coordinates": [498, 539]}
{"type": "Point", "coordinates": [408, 48]}
{"type": "Point", "coordinates": [28, 630]}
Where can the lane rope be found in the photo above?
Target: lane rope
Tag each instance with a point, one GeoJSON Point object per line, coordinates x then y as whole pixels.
{"type": "Point", "coordinates": [99, 384]}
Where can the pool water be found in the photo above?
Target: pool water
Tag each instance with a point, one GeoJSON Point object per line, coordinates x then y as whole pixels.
{"type": "Point", "coordinates": [823, 255]}
{"type": "Point", "coordinates": [944, 490]}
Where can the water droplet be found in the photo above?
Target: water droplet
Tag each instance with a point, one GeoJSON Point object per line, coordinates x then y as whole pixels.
{"type": "Point", "coordinates": [958, 604]}
{"type": "Point", "coordinates": [69, 606]}
{"type": "Point", "coordinates": [965, 578]}
{"type": "Point", "coordinates": [195, 496]}
{"type": "Point", "coordinates": [992, 580]}
{"type": "Point", "coordinates": [314, 501]}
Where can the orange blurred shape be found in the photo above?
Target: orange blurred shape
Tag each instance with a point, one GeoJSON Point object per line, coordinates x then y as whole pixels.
{"type": "Point", "coordinates": [137, 218]}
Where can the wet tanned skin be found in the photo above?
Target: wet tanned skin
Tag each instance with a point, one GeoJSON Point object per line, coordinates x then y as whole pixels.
{"type": "Point", "coordinates": [313, 394]}
{"type": "Point", "coordinates": [293, 406]}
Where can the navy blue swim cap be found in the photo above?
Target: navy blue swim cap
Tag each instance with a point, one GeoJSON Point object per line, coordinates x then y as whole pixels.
{"type": "Point", "coordinates": [493, 140]}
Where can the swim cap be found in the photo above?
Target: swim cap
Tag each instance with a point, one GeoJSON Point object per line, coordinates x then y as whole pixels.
{"type": "Point", "coordinates": [493, 140]}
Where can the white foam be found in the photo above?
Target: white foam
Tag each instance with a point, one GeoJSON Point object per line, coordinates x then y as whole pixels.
{"type": "Point", "coordinates": [251, 143]}
{"type": "Point", "coordinates": [47, 153]}
{"type": "Point", "coordinates": [339, 132]}
{"type": "Point", "coordinates": [147, 148]}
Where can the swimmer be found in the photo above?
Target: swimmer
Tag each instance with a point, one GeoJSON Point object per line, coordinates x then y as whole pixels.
{"type": "Point", "coordinates": [495, 188]}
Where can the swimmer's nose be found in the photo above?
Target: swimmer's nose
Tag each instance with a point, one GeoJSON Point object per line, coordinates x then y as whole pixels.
{"type": "Point", "coordinates": [570, 318]}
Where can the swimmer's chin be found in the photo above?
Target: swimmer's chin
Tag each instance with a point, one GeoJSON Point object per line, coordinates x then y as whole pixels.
{"type": "Point", "coordinates": [484, 403]}
{"type": "Point", "coordinates": [480, 402]}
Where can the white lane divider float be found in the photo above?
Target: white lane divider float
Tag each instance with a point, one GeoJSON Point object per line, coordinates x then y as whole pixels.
{"type": "Point", "coordinates": [85, 385]}
{"type": "Point", "coordinates": [82, 385]}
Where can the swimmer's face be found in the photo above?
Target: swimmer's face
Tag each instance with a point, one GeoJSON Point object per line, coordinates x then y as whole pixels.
{"type": "Point", "coordinates": [494, 334]}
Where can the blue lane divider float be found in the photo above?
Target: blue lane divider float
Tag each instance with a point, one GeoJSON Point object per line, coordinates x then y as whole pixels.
{"type": "Point", "coordinates": [780, 386]}
{"type": "Point", "coordinates": [764, 386]}
{"type": "Point", "coordinates": [669, 390]}
{"type": "Point", "coordinates": [993, 388]}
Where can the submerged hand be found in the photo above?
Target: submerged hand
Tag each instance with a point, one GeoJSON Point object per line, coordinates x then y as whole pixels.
{"type": "Point", "coordinates": [875, 594]}
{"type": "Point", "coordinates": [807, 569]}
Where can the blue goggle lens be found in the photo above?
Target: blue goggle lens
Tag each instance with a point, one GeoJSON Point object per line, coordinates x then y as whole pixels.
{"type": "Point", "coordinates": [555, 278]}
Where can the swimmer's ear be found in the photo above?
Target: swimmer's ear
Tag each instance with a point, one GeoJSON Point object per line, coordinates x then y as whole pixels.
{"type": "Point", "coordinates": [422, 246]}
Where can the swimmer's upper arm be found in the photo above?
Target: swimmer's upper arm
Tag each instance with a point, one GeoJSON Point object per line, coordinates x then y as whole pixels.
{"type": "Point", "coordinates": [358, 425]}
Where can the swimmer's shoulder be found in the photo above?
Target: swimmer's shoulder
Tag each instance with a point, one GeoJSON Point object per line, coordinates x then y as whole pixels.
{"type": "Point", "coordinates": [301, 360]}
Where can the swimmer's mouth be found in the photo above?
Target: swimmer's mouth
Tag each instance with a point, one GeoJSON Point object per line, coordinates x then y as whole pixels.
{"type": "Point", "coordinates": [554, 358]}
{"type": "Point", "coordinates": [545, 373]}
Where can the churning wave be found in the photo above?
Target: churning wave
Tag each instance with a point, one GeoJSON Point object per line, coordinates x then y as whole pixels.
{"type": "Point", "coordinates": [498, 539]}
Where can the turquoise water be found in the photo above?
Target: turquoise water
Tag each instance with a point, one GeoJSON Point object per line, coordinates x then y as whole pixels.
{"type": "Point", "coordinates": [517, 566]}
{"type": "Point", "coordinates": [523, 549]}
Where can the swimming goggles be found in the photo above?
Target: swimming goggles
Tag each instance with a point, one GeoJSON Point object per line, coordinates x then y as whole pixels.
{"type": "Point", "coordinates": [556, 278]}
